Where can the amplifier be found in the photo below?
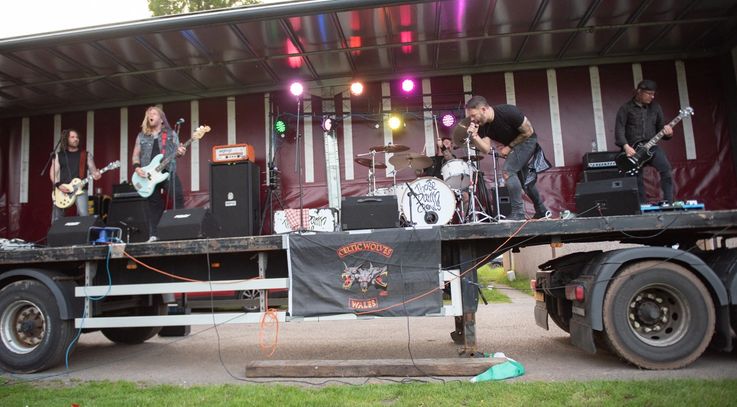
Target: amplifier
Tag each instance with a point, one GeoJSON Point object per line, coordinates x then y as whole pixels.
{"type": "Point", "coordinates": [232, 153]}
{"type": "Point", "coordinates": [597, 174]}
{"type": "Point", "coordinates": [72, 230]}
{"type": "Point", "coordinates": [608, 197]}
{"type": "Point", "coordinates": [369, 212]}
{"type": "Point", "coordinates": [192, 223]}
{"type": "Point", "coordinates": [600, 159]}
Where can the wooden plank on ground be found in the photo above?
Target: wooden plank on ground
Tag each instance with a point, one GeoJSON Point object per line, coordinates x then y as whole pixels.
{"type": "Point", "coordinates": [370, 368]}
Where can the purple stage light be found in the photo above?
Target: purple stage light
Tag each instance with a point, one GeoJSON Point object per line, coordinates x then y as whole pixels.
{"type": "Point", "coordinates": [448, 120]}
{"type": "Point", "coordinates": [408, 85]}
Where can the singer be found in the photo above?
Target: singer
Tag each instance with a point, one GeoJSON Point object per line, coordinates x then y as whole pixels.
{"type": "Point", "coordinates": [157, 137]}
{"type": "Point", "coordinates": [506, 125]}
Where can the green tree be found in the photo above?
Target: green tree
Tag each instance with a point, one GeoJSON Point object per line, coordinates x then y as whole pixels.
{"type": "Point", "coordinates": [169, 7]}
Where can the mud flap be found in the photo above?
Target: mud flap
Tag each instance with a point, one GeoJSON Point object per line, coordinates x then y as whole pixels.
{"type": "Point", "coordinates": [581, 333]}
{"type": "Point", "coordinates": [541, 315]}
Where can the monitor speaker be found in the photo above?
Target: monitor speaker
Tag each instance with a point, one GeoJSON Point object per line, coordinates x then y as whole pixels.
{"type": "Point", "coordinates": [71, 230]}
{"type": "Point", "coordinates": [608, 197]}
{"type": "Point", "coordinates": [191, 223]}
{"type": "Point", "coordinates": [131, 216]}
{"type": "Point", "coordinates": [234, 198]}
{"type": "Point", "coordinates": [369, 212]}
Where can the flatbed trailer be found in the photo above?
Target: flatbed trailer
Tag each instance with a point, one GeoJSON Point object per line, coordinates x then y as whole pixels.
{"type": "Point", "coordinates": [49, 294]}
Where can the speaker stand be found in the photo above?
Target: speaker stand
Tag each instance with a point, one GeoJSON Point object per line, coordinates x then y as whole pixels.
{"type": "Point", "coordinates": [271, 196]}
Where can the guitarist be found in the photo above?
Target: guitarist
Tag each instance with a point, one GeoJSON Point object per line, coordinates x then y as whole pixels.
{"type": "Point", "coordinates": [70, 163]}
{"type": "Point", "coordinates": [157, 137]}
{"type": "Point", "coordinates": [638, 120]}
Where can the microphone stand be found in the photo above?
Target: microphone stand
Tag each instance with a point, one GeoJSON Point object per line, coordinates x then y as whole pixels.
{"type": "Point", "coordinates": [172, 180]}
{"type": "Point", "coordinates": [411, 193]}
{"type": "Point", "coordinates": [51, 157]}
{"type": "Point", "coordinates": [298, 160]}
{"type": "Point", "coordinates": [496, 185]}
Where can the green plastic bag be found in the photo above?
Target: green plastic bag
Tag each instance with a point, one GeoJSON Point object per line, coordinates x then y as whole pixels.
{"type": "Point", "coordinates": [506, 370]}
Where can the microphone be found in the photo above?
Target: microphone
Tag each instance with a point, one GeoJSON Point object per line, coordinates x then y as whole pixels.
{"type": "Point", "coordinates": [180, 121]}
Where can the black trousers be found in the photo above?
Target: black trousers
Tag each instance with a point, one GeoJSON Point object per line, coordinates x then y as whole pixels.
{"type": "Point", "coordinates": [156, 205]}
{"type": "Point", "coordinates": [662, 165]}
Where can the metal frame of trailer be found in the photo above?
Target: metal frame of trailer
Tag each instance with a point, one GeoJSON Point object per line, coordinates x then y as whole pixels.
{"type": "Point", "coordinates": [466, 243]}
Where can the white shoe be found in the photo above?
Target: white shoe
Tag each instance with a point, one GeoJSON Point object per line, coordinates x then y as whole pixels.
{"type": "Point", "coordinates": [152, 239]}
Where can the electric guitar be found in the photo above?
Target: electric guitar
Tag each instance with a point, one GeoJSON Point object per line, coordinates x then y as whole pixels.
{"type": "Point", "coordinates": [154, 175]}
{"type": "Point", "coordinates": [632, 165]}
{"type": "Point", "coordinates": [64, 200]}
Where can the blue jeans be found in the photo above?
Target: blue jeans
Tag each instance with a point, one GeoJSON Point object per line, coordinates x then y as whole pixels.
{"type": "Point", "coordinates": [515, 173]}
{"type": "Point", "coordinates": [82, 209]}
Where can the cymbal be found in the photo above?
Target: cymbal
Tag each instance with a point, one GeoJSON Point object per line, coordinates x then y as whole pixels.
{"type": "Point", "coordinates": [366, 162]}
{"type": "Point", "coordinates": [410, 160]}
{"type": "Point", "coordinates": [460, 131]}
{"type": "Point", "coordinates": [389, 148]}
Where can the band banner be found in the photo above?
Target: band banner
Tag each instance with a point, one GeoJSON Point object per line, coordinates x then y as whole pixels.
{"type": "Point", "coordinates": [382, 273]}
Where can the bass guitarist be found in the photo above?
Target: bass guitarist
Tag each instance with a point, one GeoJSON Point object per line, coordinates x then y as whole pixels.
{"type": "Point", "coordinates": [70, 163]}
{"type": "Point", "coordinates": [637, 121]}
{"type": "Point", "coordinates": [157, 137]}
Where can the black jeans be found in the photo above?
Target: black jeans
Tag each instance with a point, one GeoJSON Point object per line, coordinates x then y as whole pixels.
{"type": "Point", "coordinates": [662, 165]}
{"type": "Point", "coordinates": [516, 167]}
{"type": "Point", "coordinates": [156, 204]}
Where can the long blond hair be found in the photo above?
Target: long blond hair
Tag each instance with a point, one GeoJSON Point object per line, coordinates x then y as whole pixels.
{"type": "Point", "coordinates": [146, 129]}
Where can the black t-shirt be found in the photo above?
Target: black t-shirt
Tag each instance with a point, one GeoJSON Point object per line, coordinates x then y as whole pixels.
{"type": "Point", "coordinates": [69, 166]}
{"type": "Point", "coordinates": [505, 127]}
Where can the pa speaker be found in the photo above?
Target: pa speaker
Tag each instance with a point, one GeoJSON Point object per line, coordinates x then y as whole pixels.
{"type": "Point", "coordinates": [132, 217]}
{"type": "Point", "coordinates": [369, 212]}
{"type": "Point", "coordinates": [192, 223]}
{"type": "Point", "coordinates": [608, 197]}
{"type": "Point", "coordinates": [72, 230]}
{"type": "Point", "coordinates": [234, 198]}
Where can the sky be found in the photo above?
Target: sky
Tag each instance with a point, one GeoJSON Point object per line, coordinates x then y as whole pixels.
{"type": "Point", "coordinates": [25, 17]}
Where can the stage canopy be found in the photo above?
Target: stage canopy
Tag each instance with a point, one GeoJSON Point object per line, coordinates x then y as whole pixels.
{"type": "Point", "coordinates": [329, 42]}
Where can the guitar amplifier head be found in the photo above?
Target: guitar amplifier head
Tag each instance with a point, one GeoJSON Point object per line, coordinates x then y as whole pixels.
{"type": "Point", "coordinates": [233, 153]}
{"type": "Point", "coordinates": [600, 159]}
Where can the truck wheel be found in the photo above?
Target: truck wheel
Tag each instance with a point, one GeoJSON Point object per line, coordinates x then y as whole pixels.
{"type": "Point", "coordinates": [658, 315]}
{"type": "Point", "coordinates": [34, 338]}
{"type": "Point", "coordinates": [136, 335]}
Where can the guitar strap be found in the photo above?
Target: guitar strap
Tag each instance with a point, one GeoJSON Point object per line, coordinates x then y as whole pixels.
{"type": "Point", "coordinates": [82, 164]}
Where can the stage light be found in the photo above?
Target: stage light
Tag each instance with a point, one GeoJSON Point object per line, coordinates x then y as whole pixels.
{"type": "Point", "coordinates": [327, 124]}
{"type": "Point", "coordinates": [280, 126]}
{"type": "Point", "coordinates": [356, 88]}
{"type": "Point", "coordinates": [408, 85]}
{"type": "Point", "coordinates": [448, 120]}
{"type": "Point", "coordinates": [394, 122]}
{"type": "Point", "coordinates": [296, 88]}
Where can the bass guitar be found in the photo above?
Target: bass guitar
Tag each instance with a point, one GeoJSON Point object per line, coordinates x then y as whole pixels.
{"type": "Point", "coordinates": [64, 200]}
{"type": "Point", "coordinates": [147, 184]}
{"type": "Point", "coordinates": [632, 165]}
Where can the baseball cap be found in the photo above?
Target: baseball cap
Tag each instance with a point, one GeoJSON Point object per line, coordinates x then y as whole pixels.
{"type": "Point", "coordinates": [647, 84]}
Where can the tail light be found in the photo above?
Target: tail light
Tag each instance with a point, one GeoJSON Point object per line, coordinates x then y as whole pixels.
{"type": "Point", "coordinates": [575, 292]}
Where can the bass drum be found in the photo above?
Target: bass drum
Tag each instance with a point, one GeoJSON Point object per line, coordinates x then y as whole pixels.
{"type": "Point", "coordinates": [433, 202]}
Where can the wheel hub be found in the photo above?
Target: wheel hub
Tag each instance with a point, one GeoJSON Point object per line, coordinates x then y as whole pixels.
{"type": "Point", "coordinates": [658, 315]}
{"type": "Point", "coordinates": [22, 327]}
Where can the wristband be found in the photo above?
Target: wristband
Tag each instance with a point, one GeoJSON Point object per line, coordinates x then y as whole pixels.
{"type": "Point", "coordinates": [57, 184]}
{"type": "Point", "coordinates": [136, 165]}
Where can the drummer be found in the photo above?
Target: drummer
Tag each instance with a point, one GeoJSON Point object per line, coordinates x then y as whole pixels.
{"type": "Point", "coordinates": [443, 154]}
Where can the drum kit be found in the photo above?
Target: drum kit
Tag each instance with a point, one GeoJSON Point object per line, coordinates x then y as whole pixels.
{"type": "Point", "coordinates": [428, 201]}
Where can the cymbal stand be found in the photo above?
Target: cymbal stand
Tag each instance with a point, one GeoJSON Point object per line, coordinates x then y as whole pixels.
{"type": "Point", "coordinates": [474, 215]}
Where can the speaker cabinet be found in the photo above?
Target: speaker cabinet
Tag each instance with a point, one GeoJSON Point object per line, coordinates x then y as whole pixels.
{"type": "Point", "coordinates": [192, 223]}
{"type": "Point", "coordinates": [131, 216]}
{"type": "Point", "coordinates": [504, 203]}
{"type": "Point", "coordinates": [234, 198]}
{"type": "Point", "coordinates": [600, 174]}
{"type": "Point", "coordinates": [72, 230]}
{"type": "Point", "coordinates": [369, 212]}
{"type": "Point", "coordinates": [608, 197]}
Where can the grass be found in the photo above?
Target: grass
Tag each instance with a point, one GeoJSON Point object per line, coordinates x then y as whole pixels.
{"type": "Point", "coordinates": [488, 275]}
{"type": "Point", "coordinates": [613, 393]}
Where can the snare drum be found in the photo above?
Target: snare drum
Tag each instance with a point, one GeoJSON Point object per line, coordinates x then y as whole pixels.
{"type": "Point", "coordinates": [434, 204]}
{"type": "Point", "coordinates": [457, 174]}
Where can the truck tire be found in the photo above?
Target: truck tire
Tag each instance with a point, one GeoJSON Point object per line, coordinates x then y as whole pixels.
{"type": "Point", "coordinates": [658, 315]}
{"type": "Point", "coordinates": [34, 338]}
{"type": "Point", "coordinates": [136, 335]}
